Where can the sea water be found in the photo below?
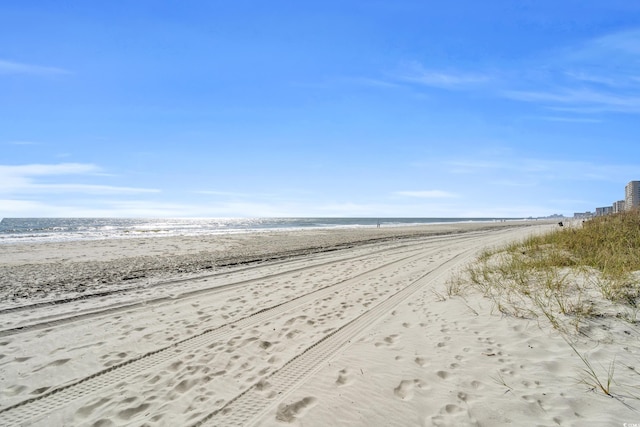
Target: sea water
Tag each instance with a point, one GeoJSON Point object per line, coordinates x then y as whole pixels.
{"type": "Point", "coordinates": [14, 230]}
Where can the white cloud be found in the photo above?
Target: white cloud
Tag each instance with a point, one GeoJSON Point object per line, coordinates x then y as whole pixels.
{"type": "Point", "coordinates": [143, 208]}
{"type": "Point", "coordinates": [521, 171]}
{"type": "Point", "coordinates": [222, 193]}
{"type": "Point", "coordinates": [76, 208]}
{"type": "Point", "coordinates": [375, 83]}
{"type": "Point", "coordinates": [23, 179]}
{"type": "Point", "coordinates": [415, 73]}
{"type": "Point", "coordinates": [101, 207]}
{"type": "Point", "coordinates": [10, 67]}
{"type": "Point", "coordinates": [20, 177]}
{"type": "Point", "coordinates": [625, 42]}
{"type": "Point", "coordinates": [22, 143]}
{"type": "Point", "coordinates": [445, 80]}
{"type": "Point", "coordinates": [87, 188]}
{"type": "Point", "coordinates": [426, 194]}
{"type": "Point", "coordinates": [601, 75]}
{"type": "Point", "coordinates": [568, 119]}
{"type": "Point", "coordinates": [21, 208]}
{"type": "Point", "coordinates": [41, 169]}
{"type": "Point", "coordinates": [584, 100]}
{"type": "Point", "coordinates": [593, 78]}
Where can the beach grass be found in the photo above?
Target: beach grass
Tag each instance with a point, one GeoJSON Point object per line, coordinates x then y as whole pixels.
{"type": "Point", "coordinates": [561, 272]}
{"type": "Point", "coordinates": [577, 275]}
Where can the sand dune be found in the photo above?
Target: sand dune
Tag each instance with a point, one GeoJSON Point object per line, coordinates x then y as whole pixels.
{"type": "Point", "coordinates": [330, 328]}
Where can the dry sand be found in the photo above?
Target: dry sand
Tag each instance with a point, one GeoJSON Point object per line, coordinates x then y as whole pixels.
{"type": "Point", "coordinates": [314, 328]}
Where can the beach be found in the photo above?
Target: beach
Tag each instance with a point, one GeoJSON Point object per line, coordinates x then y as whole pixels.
{"type": "Point", "coordinates": [287, 328]}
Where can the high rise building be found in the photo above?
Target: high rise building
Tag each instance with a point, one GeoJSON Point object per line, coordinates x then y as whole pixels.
{"type": "Point", "coordinates": [618, 206]}
{"type": "Point", "coordinates": [632, 195]}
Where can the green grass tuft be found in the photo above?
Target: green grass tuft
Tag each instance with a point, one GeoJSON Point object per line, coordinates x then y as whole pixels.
{"type": "Point", "coordinates": [544, 270]}
{"type": "Point", "coordinates": [575, 274]}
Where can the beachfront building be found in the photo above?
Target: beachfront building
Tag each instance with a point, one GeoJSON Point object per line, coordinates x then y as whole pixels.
{"type": "Point", "coordinates": [632, 195]}
{"type": "Point", "coordinates": [582, 215]}
{"type": "Point", "coordinates": [606, 210]}
{"type": "Point", "coordinates": [618, 206]}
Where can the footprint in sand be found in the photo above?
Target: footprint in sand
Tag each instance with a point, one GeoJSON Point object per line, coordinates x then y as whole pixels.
{"type": "Point", "coordinates": [290, 412]}
{"type": "Point", "coordinates": [185, 385]}
{"type": "Point", "coordinates": [14, 390]}
{"type": "Point", "coordinates": [388, 341]}
{"type": "Point", "coordinates": [476, 384]}
{"type": "Point", "coordinates": [293, 333]}
{"type": "Point", "coordinates": [265, 345]}
{"type": "Point", "coordinates": [133, 411]}
{"type": "Point", "coordinates": [404, 390]}
{"type": "Point", "coordinates": [87, 410]}
{"type": "Point", "coordinates": [443, 374]}
{"type": "Point", "coordinates": [344, 378]}
{"type": "Point", "coordinates": [264, 388]}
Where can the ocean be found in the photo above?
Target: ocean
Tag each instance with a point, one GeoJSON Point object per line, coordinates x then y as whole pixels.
{"type": "Point", "coordinates": [15, 230]}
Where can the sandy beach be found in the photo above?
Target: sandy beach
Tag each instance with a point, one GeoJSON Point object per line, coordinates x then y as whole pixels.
{"type": "Point", "coordinates": [306, 328]}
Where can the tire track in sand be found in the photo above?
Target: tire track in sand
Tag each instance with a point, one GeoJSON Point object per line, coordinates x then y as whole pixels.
{"type": "Point", "coordinates": [251, 403]}
{"type": "Point", "coordinates": [34, 408]}
{"type": "Point", "coordinates": [55, 320]}
{"type": "Point", "coordinates": [246, 266]}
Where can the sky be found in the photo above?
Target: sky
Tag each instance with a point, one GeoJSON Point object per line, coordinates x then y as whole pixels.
{"type": "Point", "coordinates": [317, 108]}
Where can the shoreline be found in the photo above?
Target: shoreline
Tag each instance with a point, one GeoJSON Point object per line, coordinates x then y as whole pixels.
{"type": "Point", "coordinates": [125, 228]}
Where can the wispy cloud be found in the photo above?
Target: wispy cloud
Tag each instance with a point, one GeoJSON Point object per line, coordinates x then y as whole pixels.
{"type": "Point", "coordinates": [518, 171]}
{"type": "Point", "coordinates": [445, 80]}
{"type": "Point", "coordinates": [221, 193]}
{"type": "Point", "coordinates": [22, 143]}
{"type": "Point", "coordinates": [93, 208]}
{"type": "Point", "coordinates": [426, 194]}
{"type": "Point", "coordinates": [87, 189]}
{"type": "Point", "coordinates": [585, 100]}
{"type": "Point", "coordinates": [568, 119]}
{"type": "Point", "coordinates": [593, 78]}
{"type": "Point", "coordinates": [237, 195]}
{"type": "Point", "coordinates": [599, 75]}
{"type": "Point", "coordinates": [417, 74]}
{"type": "Point", "coordinates": [365, 81]}
{"type": "Point", "coordinates": [10, 67]}
{"type": "Point", "coordinates": [622, 42]}
{"type": "Point", "coordinates": [23, 179]}
{"type": "Point", "coordinates": [43, 169]}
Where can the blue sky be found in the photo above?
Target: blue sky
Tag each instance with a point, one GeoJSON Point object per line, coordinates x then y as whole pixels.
{"type": "Point", "coordinates": [332, 108]}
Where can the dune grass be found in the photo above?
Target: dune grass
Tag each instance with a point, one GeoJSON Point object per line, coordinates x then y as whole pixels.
{"type": "Point", "coordinates": [577, 273]}
{"type": "Point", "coordinates": [559, 271]}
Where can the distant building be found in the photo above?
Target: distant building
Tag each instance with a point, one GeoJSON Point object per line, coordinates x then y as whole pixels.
{"type": "Point", "coordinates": [618, 206]}
{"type": "Point", "coordinates": [582, 215]}
{"type": "Point", "coordinates": [606, 210]}
{"type": "Point", "coordinates": [632, 195]}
